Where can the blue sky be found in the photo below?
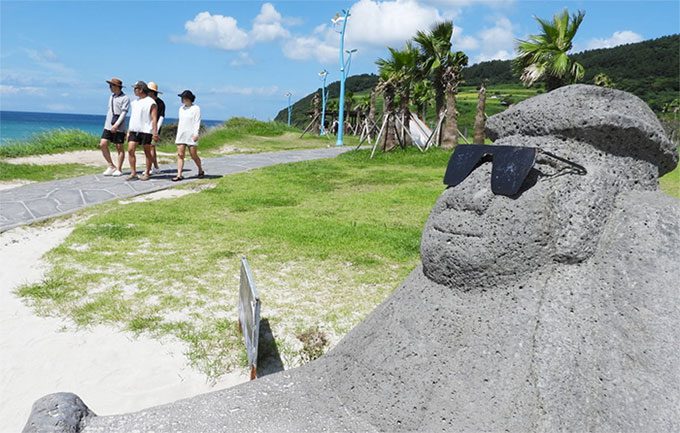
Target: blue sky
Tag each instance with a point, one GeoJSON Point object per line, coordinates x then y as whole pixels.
{"type": "Point", "coordinates": [241, 57]}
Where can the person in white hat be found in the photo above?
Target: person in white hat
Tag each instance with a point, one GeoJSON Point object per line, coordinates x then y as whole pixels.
{"type": "Point", "coordinates": [114, 127]}
{"type": "Point", "coordinates": [160, 116]}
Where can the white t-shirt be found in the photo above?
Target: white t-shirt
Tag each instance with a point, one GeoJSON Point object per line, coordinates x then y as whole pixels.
{"type": "Point", "coordinates": [140, 115]}
{"type": "Point", "coordinates": [188, 125]}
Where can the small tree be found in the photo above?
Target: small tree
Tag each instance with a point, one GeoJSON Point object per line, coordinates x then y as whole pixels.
{"type": "Point", "coordinates": [544, 56]}
{"type": "Point", "coordinates": [603, 80]}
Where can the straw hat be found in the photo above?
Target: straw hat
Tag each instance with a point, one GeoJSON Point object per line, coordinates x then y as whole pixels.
{"type": "Point", "coordinates": [153, 87]}
{"type": "Point", "coordinates": [115, 82]}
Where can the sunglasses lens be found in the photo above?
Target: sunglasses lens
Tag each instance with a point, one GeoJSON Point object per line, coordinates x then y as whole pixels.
{"type": "Point", "coordinates": [463, 161]}
{"type": "Point", "coordinates": [511, 166]}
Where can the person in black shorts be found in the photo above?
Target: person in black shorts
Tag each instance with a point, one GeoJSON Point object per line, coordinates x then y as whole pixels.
{"type": "Point", "coordinates": [142, 129]}
{"type": "Point", "coordinates": [160, 116]}
{"type": "Point", "coordinates": [114, 127]}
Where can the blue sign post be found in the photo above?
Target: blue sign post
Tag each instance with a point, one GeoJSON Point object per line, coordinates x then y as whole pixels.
{"type": "Point", "coordinates": [289, 108]}
{"type": "Point", "coordinates": [343, 74]}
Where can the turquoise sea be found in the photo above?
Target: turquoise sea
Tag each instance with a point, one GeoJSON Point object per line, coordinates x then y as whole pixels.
{"type": "Point", "coordinates": [19, 125]}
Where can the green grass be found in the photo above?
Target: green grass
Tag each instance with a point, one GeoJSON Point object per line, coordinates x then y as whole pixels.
{"type": "Point", "coordinates": [327, 241]}
{"type": "Point", "coordinates": [41, 173]}
{"type": "Point", "coordinates": [670, 183]}
{"type": "Point", "coordinates": [250, 136]}
{"type": "Point", "coordinates": [55, 141]}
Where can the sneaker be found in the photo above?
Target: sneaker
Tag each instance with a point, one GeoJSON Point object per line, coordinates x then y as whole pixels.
{"type": "Point", "coordinates": [116, 173]}
{"type": "Point", "coordinates": [109, 171]}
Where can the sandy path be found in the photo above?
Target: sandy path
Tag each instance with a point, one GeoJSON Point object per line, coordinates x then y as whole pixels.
{"type": "Point", "coordinates": [112, 371]}
{"type": "Point", "coordinates": [87, 157]}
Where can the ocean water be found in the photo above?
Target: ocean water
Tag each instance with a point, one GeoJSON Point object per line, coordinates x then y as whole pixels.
{"type": "Point", "coordinates": [19, 125]}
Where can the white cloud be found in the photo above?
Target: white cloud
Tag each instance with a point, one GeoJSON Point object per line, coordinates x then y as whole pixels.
{"type": "Point", "coordinates": [308, 47]}
{"type": "Point", "coordinates": [617, 38]}
{"type": "Point", "coordinates": [372, 24]}
{"type": "Point", "coordinates": [217, 31]}
{"type": "Point", "coordinates": [380, 23]}
{"type": "Point", "coordinates": [497, 42]}
{"type": "Point", "coordinates": [462, 42]}
{"type": "Point", "coordinates": [242, 59]}
{"type": "Point", "coordinates": [246, 91]}
{"type": "Point", "coordinates": [268, 25]}
{"type": "Point", "coordinates": [14, 90]}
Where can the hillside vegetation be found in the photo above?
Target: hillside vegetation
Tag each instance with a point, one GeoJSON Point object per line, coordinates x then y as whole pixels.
{"type": "Point", "coordinates": [648, 69]}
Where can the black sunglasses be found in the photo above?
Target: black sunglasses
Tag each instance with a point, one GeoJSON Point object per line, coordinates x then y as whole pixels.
{"type": "Point", "coordinates": [510, 165]}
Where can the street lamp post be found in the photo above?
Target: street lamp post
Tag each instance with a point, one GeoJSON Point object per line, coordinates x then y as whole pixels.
{"type": "Point", "coordinates": [289, 108]}
{"type": "Point", "coordinates": [323, 74]}
{"type": "Point", "coordinates": [343, 73]}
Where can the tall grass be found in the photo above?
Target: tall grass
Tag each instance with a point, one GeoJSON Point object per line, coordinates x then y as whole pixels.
{"type": "Point", "coordinates": [54, 141]}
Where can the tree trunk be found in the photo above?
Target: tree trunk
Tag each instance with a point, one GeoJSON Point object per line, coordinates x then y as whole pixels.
{"type": "Point", "coordinates": [480, 120]}
{"type": "Point", "coordinates": [316, 107]}
{"type": "Point", "coordinates": [439, 91]}
{"type": "Point", "coordinates": [388, 143]}
{"type": "Point", "coordinates": [407, 117]}
{"type": "Point", "coordinates": [371, 112]}
{"type": "Point", "coordinates": [450, 135]}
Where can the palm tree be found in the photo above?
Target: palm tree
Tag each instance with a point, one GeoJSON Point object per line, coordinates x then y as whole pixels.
{"type": "Point", "coordinates": [544, 56]}
{"type": "Point", "coordinates": [422, 94]}
{"type": "Point", "coordinates": [387, 78]}
{"type": "Point", "coordinates": [444, 68]}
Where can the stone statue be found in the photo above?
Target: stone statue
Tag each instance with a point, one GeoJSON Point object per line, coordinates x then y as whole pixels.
{"type": "Point", "coordinates": [554, 309]}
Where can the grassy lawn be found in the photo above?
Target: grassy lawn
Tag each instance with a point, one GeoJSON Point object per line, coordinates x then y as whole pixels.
{"type": "Point", "coordinates": [670, 183]}
{"type": "Point", "coordinates": [41, 173]}
{"type": "Point", "coordinates": [244, 135]}
{"type": "Point", "coordinates": [327, 241]}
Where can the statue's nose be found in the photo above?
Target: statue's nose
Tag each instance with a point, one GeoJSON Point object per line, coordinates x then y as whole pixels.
{"type": "Point", "coordinates": [474, 193]}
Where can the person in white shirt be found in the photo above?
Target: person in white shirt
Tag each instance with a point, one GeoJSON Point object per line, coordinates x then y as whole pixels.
{"type": "Point", "coordinates": [143, 129]}
{"type": "Point", "coordinates": [187, 133]}
{"type": "Point", "coordinates": [114, 127]}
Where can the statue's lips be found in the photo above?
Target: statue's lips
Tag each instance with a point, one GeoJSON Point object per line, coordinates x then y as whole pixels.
{"type": "Point", "coordinates": [458, 223]}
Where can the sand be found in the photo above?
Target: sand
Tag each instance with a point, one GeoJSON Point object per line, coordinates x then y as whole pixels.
{"type": "Point", "coordinates": [111, 370]}
{"type": "Point", "coordinates": [86, 157]}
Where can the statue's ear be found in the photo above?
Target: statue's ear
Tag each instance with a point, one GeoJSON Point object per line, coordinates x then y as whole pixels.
{"type": "Point", "coordinates": [582, 206]}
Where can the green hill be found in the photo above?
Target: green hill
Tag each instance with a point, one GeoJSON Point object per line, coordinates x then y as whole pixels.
{"type": "Point", "coordinates": [648, 69]}
{"type": "Point", "coordinates": [354, 84]}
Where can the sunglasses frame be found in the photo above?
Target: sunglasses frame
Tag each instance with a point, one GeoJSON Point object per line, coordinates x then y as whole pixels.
{"type": "Point", "coordinates": [510, 165]}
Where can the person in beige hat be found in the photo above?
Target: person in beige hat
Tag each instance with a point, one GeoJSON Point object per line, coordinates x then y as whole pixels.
{"type": "Point", "coordinates": [114, 127]}
{"type": "Point", "coordinates": [160, 116]}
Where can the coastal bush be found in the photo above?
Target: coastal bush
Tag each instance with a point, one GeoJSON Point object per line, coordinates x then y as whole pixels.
{"type": "Point", "coordinates": [54, 141]}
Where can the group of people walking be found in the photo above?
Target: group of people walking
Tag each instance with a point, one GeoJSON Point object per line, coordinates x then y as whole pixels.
{"type": "Point", "coordinates": [147, 114]}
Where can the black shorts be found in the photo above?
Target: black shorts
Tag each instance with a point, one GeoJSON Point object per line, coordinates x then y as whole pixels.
{"type": "Point", "coordinates": [140, 137]}
{"type": "Point", "coordinates": [114, 137]}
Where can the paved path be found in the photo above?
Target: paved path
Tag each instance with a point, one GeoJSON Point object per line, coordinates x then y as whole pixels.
{"type": "Point", "coordinates": [38, 201]}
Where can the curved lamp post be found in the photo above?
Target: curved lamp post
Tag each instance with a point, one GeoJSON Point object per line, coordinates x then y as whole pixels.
{"type": "Point", "coordinates": [323, 74]}
{"type": "Point", "coordinates": [289, 109]}
{"type": "Point", "coordinates": [337, 21]}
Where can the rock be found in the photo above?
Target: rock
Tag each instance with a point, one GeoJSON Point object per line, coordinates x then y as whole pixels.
{"type": "Point", "coordinates": [617, 122]}
{"type": "Point", "coordinates": [62, 412]}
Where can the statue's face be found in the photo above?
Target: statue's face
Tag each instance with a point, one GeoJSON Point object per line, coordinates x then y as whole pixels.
{"type": "Point", "coordinates": [475, 238]}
